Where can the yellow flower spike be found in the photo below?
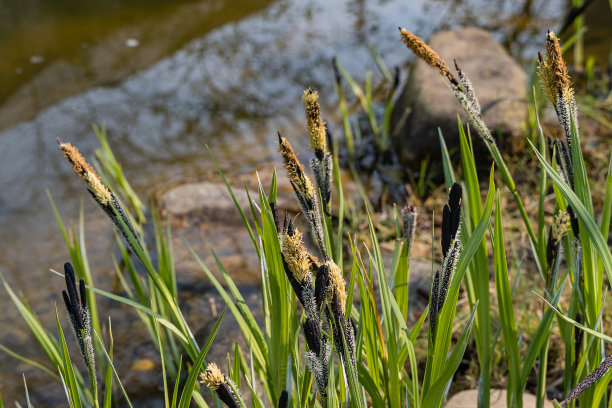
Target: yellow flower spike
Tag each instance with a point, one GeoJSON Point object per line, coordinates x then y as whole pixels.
{"type": "Point", "coordinates": [316, 127]}
{"type": "Point", "coordinates": [212, 377]}
{"type": "Point", "coordinates": [295, 255]}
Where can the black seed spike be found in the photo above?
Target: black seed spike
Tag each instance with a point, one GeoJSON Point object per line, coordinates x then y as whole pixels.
{"type": "Point", "coordinates": [454, 202]}
{"type": "Point", "coordinates": [297, 288]}
{"type": "Point", "coordinates": [290, 228]}
{"type": "Point", "coordinates": [312, 334]}
{"type": "Point", "coordinates": [433, 304]}
{"type": "Point", "coordinates": [329, 140]}
{"type": "Point", "coordinates": [321, 284]}
{"type": "Point", "coordinates": [83, 297]}
{"type": "Point", "coordinates": [226, 394]}
{"type": "Point", "coordinates": [446, 230]}
{"type": "Point", "coordinates": [589, 380]}
{"type": "Point", "coordinates": [354, 326]}
{"type": "Point", "coordinates": [274, 209]}
{"type": "Point", "coordinates": [71, 283]}
{"type": "Point", "coordinates": [574, 222]}
{"type": "Point", "coordinates": [551, 252]}
{"type": "Point", "coordinates": [67, 301]}
{"type": "Point", "coordinates": [283, 400]}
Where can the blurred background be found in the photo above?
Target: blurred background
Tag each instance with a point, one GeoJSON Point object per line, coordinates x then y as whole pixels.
{"type": "Point", "coordinates": [167, 78]}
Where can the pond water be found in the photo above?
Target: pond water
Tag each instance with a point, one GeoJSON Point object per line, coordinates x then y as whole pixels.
{"type": "Point", "coordinates": [168, 77]}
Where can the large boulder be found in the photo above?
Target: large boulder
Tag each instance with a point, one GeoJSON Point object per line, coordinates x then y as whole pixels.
{"type": "Point", "coordinates": [427, 102]}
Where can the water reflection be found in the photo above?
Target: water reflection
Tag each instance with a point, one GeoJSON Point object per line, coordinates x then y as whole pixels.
{"type": "Point", "coordinates": [230, 77]}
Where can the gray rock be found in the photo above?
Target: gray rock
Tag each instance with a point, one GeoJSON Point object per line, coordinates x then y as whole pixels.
{"type": "Point", "coordinates": [469, 399]}
{"type": "Point", "coordinates": [427, 103]}
{"type": "Point", "coordinates": [211, 200]}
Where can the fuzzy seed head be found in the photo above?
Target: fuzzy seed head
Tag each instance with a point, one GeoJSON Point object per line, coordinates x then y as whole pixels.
{"type": "Point", "coordinates": [86, 172]}
{"type": "Point", "coordinates": [295, 170]}
{"type": "Point", "coordinates": [559, 226]}
{"type": "Point", "coordinates": [336, 282]}
{"type": "Point", "coordinates": [295, 255]}
{"type": "Point", "coordinates": [553, 71]}
{"type": "Point", "coordinates": [316, 127]}
{"type": "Point", "coordinates": [427, 54]}
{"type": "Point", "coordinates": [212, 377]}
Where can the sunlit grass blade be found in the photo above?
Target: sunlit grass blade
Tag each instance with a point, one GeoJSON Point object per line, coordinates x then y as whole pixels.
{"type": "Point", "coordinates": [27, 394]}
{"type": "Point", "coordinates": [108, 376]}
{"type": "Point", "coordinates": [110, 363]}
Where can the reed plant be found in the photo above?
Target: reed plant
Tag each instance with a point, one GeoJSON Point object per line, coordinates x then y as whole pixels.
{"type": "Point", "coordinates": [335, 325]}
{"type": "Point", "coordinates": [586, 252]}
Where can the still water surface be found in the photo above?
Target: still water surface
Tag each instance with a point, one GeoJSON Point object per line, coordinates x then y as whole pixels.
{"type": "Point", "coordinates": [167, 78]}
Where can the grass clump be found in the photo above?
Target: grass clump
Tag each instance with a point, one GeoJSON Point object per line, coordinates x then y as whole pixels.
{"type": "Point", "coordinates": [351, 305]}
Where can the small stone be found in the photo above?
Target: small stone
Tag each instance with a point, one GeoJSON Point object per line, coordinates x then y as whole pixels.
{"type": "Point", "coordinates": [143, 364]}
{"type": "Point", "coordinates": [132, 42]}
{"type": "Point", "coordinates": [37, 59]}
{"type": "Point", "coordinates": [427, 102]}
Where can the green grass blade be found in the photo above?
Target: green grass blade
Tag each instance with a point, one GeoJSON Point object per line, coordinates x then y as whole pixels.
{"type": "Point", "coordinates": [575, 323]}
{"type": "Point", "coordinates": [68, 369]}
{"type": "Point", "coordinates": [188, 389]}
{"type": "Point", "coordinates": [447, 165]}
{"type": "Point", "coordinates": [478, 283]}
{"type": "Point", "coordinates": [176, 384]}
{"type": "Point", "coordinates": [607, 206]}
{"type": "Point", "coordinates": [47, 342]}
{"type": "Point", "coordinates": [108, 378]}
{"type": "Point", "coordinates": [28, 361]}
{"type": "Point", "coordinates": [235, 200]}
{"type": "Point", "coordinates": [27, 394]}
{"type": "Point", "coordinates": [582, 213]}
{"type": "Point", "coordinates": [506, 311]}
{"type": "Point", "coordinates": [247, 332]}
{"type": "Point", "coordinates": [447, 315]}
{"type": "Point", "coordinates": [109, 360]}
{"type": "Point", "coordinates": [436, 393]}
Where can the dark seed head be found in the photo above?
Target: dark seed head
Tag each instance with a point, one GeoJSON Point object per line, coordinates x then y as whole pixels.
{"type": "Point", "coordinates": [283, 400]}
{"type": "Point", "coordinates": [312, 334]}
{"type": "Point", "coordinates": [446, 230]}
{"type": "Point", "coordinates": [321, 284]}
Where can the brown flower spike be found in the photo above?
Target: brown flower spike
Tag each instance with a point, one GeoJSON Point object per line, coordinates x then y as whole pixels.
{"type": "Point", "coordinates": [553, 71]}
{"type": "Point", "coordinates": [424, 51]}
{"type": "Point", "coordinates": [100, 192]}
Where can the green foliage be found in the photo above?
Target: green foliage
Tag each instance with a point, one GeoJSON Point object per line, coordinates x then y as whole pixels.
{"type": "Point", "coordinates": [374, 357]}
